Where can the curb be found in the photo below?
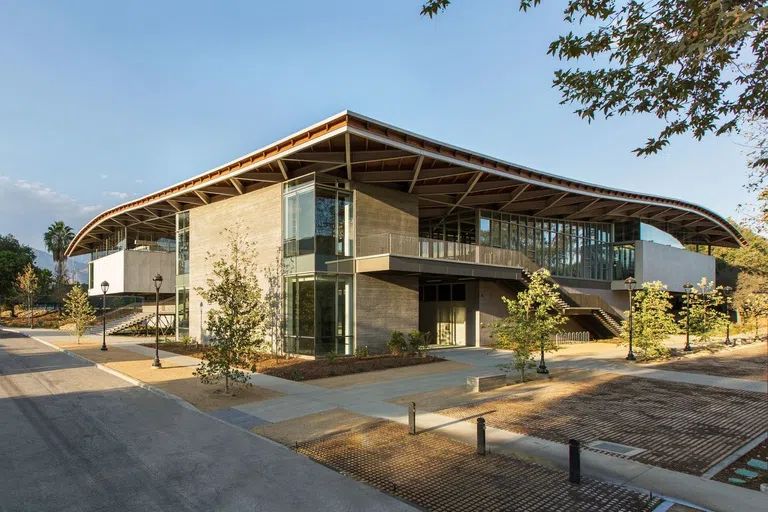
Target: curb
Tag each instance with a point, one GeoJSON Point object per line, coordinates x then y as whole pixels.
{"type": "Point", "coordinates": [111, 371]}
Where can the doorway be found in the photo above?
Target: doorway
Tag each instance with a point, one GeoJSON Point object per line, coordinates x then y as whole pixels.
{"type": "Point", "coordinates": [443, 313]}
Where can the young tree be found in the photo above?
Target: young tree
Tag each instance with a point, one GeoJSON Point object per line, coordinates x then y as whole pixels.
{"type": "Point", "coordinates": [13, 258]}
{"type": "Point", "coordinates": [274, 299]}
{"type": "Point", "coordinates": [754, 307]}
{"type": "Point", "coordinates": [531, 322]}
{"type": "Point", "coordinates": [652, 321]}
{"type": "Point", "coordinates": [27, 285]}
{"type": "Point", "coordinates": [78, 311]}
{"type": "Point", "coordinates": [238, 314]}
{"type": "Point", "coordinates": [704, 306]}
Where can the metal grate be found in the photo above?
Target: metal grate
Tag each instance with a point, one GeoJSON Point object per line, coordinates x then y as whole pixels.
{"type": "Point", "coordinates": [621, 449]}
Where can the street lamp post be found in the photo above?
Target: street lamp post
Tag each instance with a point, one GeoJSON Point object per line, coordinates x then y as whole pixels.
{"type": "Point", "coordinates": [201, 322]}
{"type": "Point", "coordinates": [727, 292]}
{"type": "Point", "coordinates": [688, 287]}
{"type": "Point", "coordinates": [158, 280]}
{"type": "Point", "coordinates": [104, 288]}
{"type": "Point", "coordinates": [630, 283]}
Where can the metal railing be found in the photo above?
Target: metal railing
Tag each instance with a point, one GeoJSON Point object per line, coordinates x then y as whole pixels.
{"type": "Point", "coordinates": [567, 338]}
{"type": "Point", "coordinates": [418, 247]}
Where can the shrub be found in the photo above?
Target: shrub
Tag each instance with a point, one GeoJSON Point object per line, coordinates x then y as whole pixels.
{"type": "Point", "coordinates": [362, 352]}
{"type": "Point", "coordinates": [397, 343]}
{"type": "Point", "coordinates": [418, 341]}
{"type": "Point", "coordinates": [186, 340]}
{"type": "Point", "coordinates": [297, 375]}
{"type": "Point", "coordinates": [331, 356]}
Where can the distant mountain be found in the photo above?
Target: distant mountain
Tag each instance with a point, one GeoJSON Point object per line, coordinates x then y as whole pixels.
{"type": "Point", "coordinates": [76, 264]}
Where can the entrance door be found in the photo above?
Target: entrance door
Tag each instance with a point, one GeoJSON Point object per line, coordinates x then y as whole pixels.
{"type": "Point", "coordinates": [460, 324]}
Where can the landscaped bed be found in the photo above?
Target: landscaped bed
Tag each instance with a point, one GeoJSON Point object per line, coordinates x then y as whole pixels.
{"type": "Point", "coordinates": [295, 368]}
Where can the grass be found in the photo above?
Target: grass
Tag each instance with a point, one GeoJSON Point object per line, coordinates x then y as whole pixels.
{"type": "Point", "coordinates": [298, 369]}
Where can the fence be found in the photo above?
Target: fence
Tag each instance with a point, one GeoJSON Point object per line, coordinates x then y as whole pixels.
{"type": "Point", "coordinates": [567, 338]}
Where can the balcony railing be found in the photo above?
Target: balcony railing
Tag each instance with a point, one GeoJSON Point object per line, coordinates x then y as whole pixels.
{"type": "Point", "coordinates": [417, 247]}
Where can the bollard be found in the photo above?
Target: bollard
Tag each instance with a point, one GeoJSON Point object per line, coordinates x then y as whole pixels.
{"type": "Point", "coordinates": [412, 419]}
{"type": "Point", "coordinates": [574, 462]}
{"type": "Point", "coordinates": [481, 436]}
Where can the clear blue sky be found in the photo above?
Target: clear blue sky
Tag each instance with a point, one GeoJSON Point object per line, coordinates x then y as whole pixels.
{"type": "Point", "coordinates": [101, 102]}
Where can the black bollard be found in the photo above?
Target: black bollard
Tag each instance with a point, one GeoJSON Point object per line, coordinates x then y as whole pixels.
{"type": "Point", "coordinates": [481, 436]}
{"type": "Point", "coordinates": [412, 419]}
{"type": "Point", "coordinates": [574, 461]}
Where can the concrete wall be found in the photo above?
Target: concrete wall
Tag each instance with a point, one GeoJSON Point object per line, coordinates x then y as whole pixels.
{"type": "Point", "coordinates": [670, 265]}
{"type": "Point", "coordinates": [131, 272]}
{"type": "Point", "coordinates": [491, 308]}
{"type": "Point", "coordinates": [380, 210]}
{"type": "Point", "coordinates": [384, 303]}
{"type": "Point", "coordinates": [259, 215]}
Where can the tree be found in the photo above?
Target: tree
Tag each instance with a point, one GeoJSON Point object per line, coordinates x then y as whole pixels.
{"type": "Point", "coordinates": [699, 66]}
{"type": "Point", "coordinates": [78, 311]}
{"type": "Point", "coordinates": [755, 306]}
{"type": "Point", "coordinates": [274, 299]}
{"type": "Point", "coordinates": [57, 239]}
{"type": "Point", "coordinates": [237, 316]}
{"type": "Point", "coordinates": [704, 307]}
{"type": "Point", "coordinates": [652, 321]}
{"type": "Point", "coordinates": [26, 283]}
{"type": "Point", "coordinates": [13, 258]}
{"type": "Point", "coordinates": [531, 322]}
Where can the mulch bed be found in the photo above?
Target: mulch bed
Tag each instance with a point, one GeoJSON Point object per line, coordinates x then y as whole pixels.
{"type": "Point", "coordinates": [746, 363]}
{"type": "Point", "coordinates": [758, 452]}
{"type": "Point", "coordinates": [298, 369]}
{"type": "Point", "coordinates": [40, 319]}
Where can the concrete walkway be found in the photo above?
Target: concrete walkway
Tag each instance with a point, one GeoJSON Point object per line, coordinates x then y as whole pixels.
{"type": "Point", "coordinates": [302, 399]}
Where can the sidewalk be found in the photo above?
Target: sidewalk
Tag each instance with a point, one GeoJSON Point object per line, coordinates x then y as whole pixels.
{"type": "Point", "coordinates": [301, 399]}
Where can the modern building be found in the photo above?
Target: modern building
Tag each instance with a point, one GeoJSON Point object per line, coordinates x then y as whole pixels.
{"type": "Point", "coordinates": [374, 228]}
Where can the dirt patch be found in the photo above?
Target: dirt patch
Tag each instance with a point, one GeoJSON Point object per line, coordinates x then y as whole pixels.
{"type": "Point", "coordinates": [314, 426]}
{"type": "Point", "coordinates": [298, 369]}
{"type": "Point", "coordinates": [758, 452]}
{"type": "Point", "coordinates": [438, 473]}
{"type": "Point", "coordinates": [176, 379]}
{"type": "Point", "coordinates": [682, 427]}
{"type": "Point", "coordinates": [749, 363]}
{"type": "Point", "coordinates": [390, 374]}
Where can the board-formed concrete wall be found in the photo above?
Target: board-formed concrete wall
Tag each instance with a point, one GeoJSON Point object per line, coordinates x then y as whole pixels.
{"type": "Point", "coordinates": [670, 265]}
{"type": "Point", "coordinates": [259, 217]}
{"type": "Point", "coordinates": [131, 272]}
{"type": "Point", "coordinates": [384, 303]}
{"type": "Point", "coordinates": [380, 210]}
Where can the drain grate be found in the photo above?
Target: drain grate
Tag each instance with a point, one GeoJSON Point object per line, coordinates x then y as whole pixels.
{"type": "Point", "coordinates": [620, 449]}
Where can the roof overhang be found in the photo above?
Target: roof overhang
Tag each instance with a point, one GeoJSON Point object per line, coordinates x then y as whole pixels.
{"type": "Point", "coordinates": [444, 177]}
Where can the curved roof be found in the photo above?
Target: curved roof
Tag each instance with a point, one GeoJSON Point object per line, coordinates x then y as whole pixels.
{"type": "Point", "coordinates": [444, 177]}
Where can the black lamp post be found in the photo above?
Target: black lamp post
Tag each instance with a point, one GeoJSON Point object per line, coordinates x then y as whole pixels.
{"type": "Point", "coordinates": [158, 280]}
{"type": "Point", "coordinates": [104, 288]}
{"type": "Point", "coordinates": [727, 292]}
{"type": "Point", "coordinates": [688, 287]}
{"type": "Point", "coordinates": [630, 283]}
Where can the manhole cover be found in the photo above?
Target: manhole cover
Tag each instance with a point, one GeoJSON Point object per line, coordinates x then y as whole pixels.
{"type": "Point", "coordinates": [621, 449]}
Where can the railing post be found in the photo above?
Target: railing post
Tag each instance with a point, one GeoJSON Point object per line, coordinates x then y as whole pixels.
{"type": "Point", "coordinates": [574, 462]}
{"type": "Point", "coordinates": [481, 436]}
{"type": "Point", "coordinates": [412, 419]}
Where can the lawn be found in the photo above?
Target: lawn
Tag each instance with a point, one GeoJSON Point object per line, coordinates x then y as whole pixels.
{"type": "Point", "coordinates": [298, 369]}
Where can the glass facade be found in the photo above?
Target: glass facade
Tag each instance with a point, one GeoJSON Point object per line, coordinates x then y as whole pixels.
{"type": "Point", "coordinates": [567, 249]}
{"type": "Point", "coordinates": [318, 247]}
{"type": "Point", "coordinates": [182, 274]}
{"type": "Point", "coordinates": [132, 240]}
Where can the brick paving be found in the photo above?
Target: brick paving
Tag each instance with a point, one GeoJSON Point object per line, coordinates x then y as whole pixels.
{"type": "Point", "coordinates": [440, 474]}
{"type": "Point", "coordinates": [746, 363]}
{"type": "Point", "coordinates": [683, 427]}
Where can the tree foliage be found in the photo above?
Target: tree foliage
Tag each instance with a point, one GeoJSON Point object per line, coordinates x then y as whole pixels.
{"type": "Point", "coordinates": [531, 322]}
{"type": "Point", "coordinates": [703, 307]}
{"type": "Point", "coordinates": [78, 310]}
{"type": "Point", "coordinates": [237, 318]}
{"type": "Point", "coordinates": [13, 258]}
{"type": "Point", "coordinates": [652, 321]}
{"type": "Point", "coordinates": [27, 286]}
{"type": "Point", "coordinates": [700, 66]}
{"type": "Point", "coordinates": [753, 308]}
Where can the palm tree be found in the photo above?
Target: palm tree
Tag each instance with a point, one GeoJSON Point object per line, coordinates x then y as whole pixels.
{"type": "Point", "coordinates": [57, 239]}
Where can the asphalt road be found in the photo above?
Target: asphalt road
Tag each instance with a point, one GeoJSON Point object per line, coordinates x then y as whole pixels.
{"type": "Point", "coordinates": [74, 438]}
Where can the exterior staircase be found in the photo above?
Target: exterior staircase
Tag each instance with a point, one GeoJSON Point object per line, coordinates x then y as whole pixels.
{"type": "Point", "coordinates": [124, 323]}
{"type": "Point", "coordinates": [578, 305]}
{"type": "Point", "coordinates": [132, 316]}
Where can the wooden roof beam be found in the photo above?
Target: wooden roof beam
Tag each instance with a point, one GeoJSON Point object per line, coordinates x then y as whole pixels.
{"type": "Point", "coordinates": [416, 171]}
{"type": "Point", "coordinates": [515, 195]}
{"type": "Point", "coordinates": [468, 191]}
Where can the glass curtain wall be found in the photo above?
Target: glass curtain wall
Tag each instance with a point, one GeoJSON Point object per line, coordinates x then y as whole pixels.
{"type": "Point", "coordinates": [132, 240]}
{"type": "Point", "coordinates": [567, 249]}
{"type": "Point", "coordinates": [182, 275]}
{"type": "Point", "coordinates": [318, 235]}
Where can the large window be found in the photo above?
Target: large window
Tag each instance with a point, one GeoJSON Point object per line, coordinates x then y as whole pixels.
{"type": "Point", "coordinates": [567, 249]}
{"type": "Point", "coordinates": [318, 234]}
{"type": "Point", "coordinates": [182, 274]}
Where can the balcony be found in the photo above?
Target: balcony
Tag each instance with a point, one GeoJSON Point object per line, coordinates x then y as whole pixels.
{"type": "Point", "coordinates": [130, 272]}
{"type": "Point", "coordinates": [412, 254]}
